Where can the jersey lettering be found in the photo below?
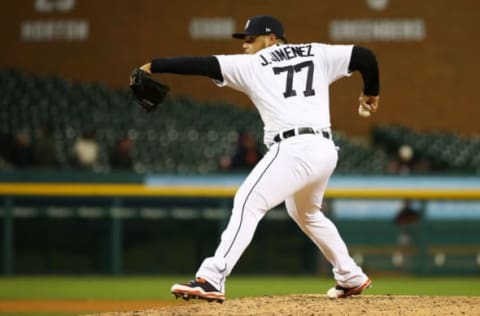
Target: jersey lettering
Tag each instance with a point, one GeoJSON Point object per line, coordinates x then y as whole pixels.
{"type": "Point", "coordinates": [287, 53]}
{"type": "Point", "coordinates": [291, 70]}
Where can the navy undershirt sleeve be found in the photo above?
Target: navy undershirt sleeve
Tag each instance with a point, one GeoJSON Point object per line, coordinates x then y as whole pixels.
{"type": "Point", "coordinates": [365, 62]}
{"type": "Point", "coordinates": [203, 66]}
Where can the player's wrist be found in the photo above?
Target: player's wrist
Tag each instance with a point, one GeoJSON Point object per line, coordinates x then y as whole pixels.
{"type": "Point", "coordinates": [147, 68]}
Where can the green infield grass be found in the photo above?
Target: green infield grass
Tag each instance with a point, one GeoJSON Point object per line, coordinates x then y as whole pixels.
{"type": "Point", "coordinates": [157, 288]}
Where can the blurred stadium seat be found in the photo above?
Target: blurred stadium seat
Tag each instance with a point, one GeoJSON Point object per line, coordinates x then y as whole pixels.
{"type": "Point", "coordinates": [185, 136]}
{"type": "Point", "coordinates": [446, 151]}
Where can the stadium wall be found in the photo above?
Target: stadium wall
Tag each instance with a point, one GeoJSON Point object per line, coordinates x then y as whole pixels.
{"type": "Point", "coordinates": [426, 52]}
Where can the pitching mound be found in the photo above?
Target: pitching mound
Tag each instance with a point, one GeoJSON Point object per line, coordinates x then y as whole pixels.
{"type": "Point", "coordinates": [320, 305]}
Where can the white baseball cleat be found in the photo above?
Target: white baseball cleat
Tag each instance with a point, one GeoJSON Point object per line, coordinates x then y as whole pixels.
{"type": "Point", "coordinates": [343, 292]}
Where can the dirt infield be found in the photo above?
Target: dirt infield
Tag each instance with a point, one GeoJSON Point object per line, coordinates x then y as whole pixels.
{"type": "Point", "coordinates": [320, 305]}
{"type": "Point", "coordinates": [80, 306]}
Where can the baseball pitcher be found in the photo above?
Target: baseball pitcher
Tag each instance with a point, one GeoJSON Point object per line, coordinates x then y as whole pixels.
{"type": "Point", "coordinates": [289, 86]}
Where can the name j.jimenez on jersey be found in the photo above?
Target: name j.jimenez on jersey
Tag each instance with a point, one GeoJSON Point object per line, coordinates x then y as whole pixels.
{"type": "Point", "coordinates": [286, 53]}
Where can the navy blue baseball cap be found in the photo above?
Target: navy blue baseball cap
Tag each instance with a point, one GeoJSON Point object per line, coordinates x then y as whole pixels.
{"type": "Point", "coordinates": [261, 25]}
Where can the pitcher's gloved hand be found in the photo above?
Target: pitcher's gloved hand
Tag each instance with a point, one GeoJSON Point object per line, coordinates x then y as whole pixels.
{"type": "Point", "coordinates": [148, 93]}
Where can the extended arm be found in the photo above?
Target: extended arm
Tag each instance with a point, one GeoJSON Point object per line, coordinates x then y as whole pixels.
{"type": "Point", "coordinates": [207, 66]}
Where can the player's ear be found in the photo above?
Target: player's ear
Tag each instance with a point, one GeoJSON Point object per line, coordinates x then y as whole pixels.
{"type": "Point", "coordinates": [272, 39]}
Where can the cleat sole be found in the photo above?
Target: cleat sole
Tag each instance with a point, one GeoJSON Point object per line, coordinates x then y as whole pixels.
{"type": "Point", "coordinates": [188, 296]}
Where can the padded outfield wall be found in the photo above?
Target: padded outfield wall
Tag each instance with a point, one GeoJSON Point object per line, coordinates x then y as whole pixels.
{"type": "Point", "coordinates": [129, 224]}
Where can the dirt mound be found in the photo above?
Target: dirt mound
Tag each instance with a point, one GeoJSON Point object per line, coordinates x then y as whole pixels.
{"type": "Point", "coordinates": [320, 305]}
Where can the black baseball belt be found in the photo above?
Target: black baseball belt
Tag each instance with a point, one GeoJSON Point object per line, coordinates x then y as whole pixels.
{"type": "Point", "coordinates": [299, 131]}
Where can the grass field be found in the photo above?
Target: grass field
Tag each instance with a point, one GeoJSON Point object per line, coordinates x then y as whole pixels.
{"type": "Point", "coordinates": [157, 288]}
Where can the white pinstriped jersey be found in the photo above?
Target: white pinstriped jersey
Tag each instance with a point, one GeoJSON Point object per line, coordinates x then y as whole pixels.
{"type": "Point", "coordinates": [288, 83]}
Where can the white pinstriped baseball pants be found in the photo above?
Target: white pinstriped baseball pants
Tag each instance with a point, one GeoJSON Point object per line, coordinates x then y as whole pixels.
{"type": "Point", "coordinates": [295, 170]}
